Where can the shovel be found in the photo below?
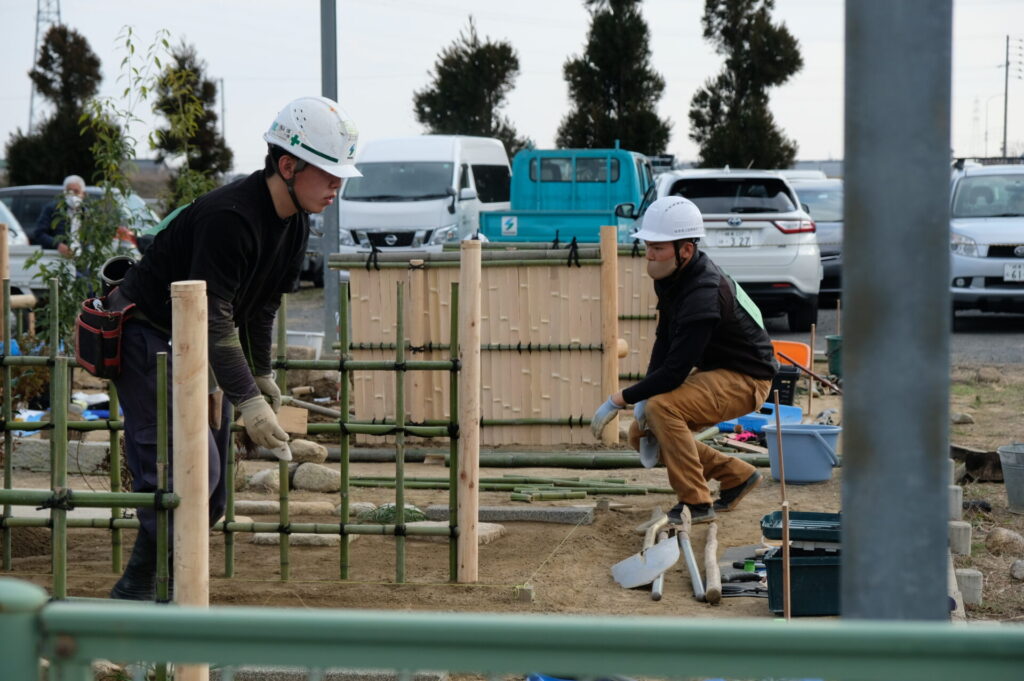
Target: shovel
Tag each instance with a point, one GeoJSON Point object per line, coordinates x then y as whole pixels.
{"type": "Point", "coordinates": [654, 559]}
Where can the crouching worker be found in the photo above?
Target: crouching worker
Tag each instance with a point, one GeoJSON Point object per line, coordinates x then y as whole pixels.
{"type": "Point", "coordinates": [705, 321]}
{"type": "Point", "coordinates": [246, 240]}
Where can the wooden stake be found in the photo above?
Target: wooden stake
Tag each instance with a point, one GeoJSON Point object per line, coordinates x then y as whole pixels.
{"type": "Point", "coordinates": [712, 572]}
{"type": "Point", "coordinates": [191, 434]}
{"type": "Point", "coordinates": [839, 316]}
{"type": "Point", "coordinates": [787, 613]}
{"type": "Point", "coordinates": [469, 412]}
{"type": "Point", "coordinates": [610, 324]}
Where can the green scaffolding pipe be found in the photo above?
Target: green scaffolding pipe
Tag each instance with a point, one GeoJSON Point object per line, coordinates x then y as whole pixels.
{"type": "Point", "coordinates": [453, 442]}
{"type": "Point", "coordinates": [7, 416]}
{"type": "Point", "coordinates": [400, 435]}
{"type": "Point", "coordinates": [344, 404]}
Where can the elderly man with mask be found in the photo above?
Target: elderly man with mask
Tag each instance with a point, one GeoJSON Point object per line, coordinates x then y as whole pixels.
{"type": "Point", "coordinates": [705, 322]}
{"type": "Point", "coordinates": [58, 223]}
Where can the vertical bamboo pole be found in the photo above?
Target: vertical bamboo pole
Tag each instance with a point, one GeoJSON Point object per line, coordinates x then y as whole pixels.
{"type": "Point", "coordinates": [115, 476]}
{"type": "Point", "coordinates": [5, 274]}
{"type": "Point", "coordinates": [59, 516]}
{"type": "Point", "coordinates": [399, 434]}
{"type": "Point", "coordinates": [163, 544]}
{"type": "Point", "coordinates": [609, 324]}
{"type": "Point", "coordinates": [453, 440]}
{"type": "Point", "coordinates": [191, 435]}
{"type": "Point", "coordinates": [469, 414]}
{"type": "Point", "coordinates": [54, 344]}
{"type": "Point", "coordinates": [229, 510]}
{"type": "Point", "coordinates": [785, 513]}
{"type": "Point", "coordinates": [418, 380]}
{"type": "Point", "coordinates": [344, 338]}
{"type": "Point", "coordinates": [839, 316]}
{"type": "Point", "coordinates": [284, 545]}
{"type": "Point", "coordinates": [7, 418]}
{"type": "Point", "coordinates": [810, 381]}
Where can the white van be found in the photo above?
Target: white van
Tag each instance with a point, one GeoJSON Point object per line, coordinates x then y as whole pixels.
{"type": "Point", "coordinates": [420, 193]}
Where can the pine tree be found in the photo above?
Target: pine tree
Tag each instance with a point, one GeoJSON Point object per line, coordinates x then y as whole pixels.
{"type": "Point", "coordinates": [470, 82]}
{"type": "Point", "coordinates": [729, 116]}
{"type": "Point", "coordinates": [612, 85]}
{"type": "Point", "coordinates": [186, 98]}
{"type": "Point", "coordinates": [67, 74]}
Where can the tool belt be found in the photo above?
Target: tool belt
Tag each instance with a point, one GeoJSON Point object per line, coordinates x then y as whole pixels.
{"type": "Point", "coordinates": [98, 331]}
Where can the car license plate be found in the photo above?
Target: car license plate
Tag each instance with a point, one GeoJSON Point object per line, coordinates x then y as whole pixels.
{"type": "Point", "coordinates": [735, 238]}
{"type": "Point", "coordinates": [1013, 271]}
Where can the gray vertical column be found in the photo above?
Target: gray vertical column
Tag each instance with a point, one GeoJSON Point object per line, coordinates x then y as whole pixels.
{"type": "Point", "coordinates": [329, 242]}
{"type": "Point", "coordinates": [896, 309]}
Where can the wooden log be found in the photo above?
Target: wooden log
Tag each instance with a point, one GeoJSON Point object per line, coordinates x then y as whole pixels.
{"type": "Point", "coordinates": [712, 572]}
{"type": "Point", "coordinates": [469, 416]}
{"type": "Point", "coordinates": [191, 433]}
{"type": "Point", "coordinates": [610, 324]}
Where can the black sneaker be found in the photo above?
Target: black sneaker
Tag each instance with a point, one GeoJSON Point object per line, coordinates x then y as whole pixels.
{"type": "Point", "coordinates": [729, 498]}
{"type": "Point", "coordinates": [699, 513]}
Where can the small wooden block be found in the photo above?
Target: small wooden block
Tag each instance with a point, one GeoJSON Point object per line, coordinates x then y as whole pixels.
{"type": "Point", "coordinates": [746, 446]}
{"type": "Point", "coordinates": [292, 420]}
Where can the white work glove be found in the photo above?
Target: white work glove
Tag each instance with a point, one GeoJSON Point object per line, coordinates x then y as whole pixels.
{"type": "Point", "coordinates": [261, 424]}
{"type": "Point", "coordinates": [603, 416]}
{"type": "Point", "coordinates": [640, 415]}
{"type": "Point", "coordinates": [268, 386]}
{"type": "Point", "coordinates": [282, 452]}
{"type": "Point", "coordinates": [649, 451]}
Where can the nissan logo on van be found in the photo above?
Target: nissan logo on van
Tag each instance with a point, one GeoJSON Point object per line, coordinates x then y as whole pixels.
{"type": "Point", "coordinates": [391, 239]}
{"type": "Point", "coordinates": [735, 222]}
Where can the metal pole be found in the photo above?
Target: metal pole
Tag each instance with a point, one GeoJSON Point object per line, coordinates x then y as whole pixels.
{"type": "Point", "coordinates": [896, 309]}
{"type": "Point", "coordinates": [1006, 90]}
{"type": "Point", "coordinates": [329, 241]}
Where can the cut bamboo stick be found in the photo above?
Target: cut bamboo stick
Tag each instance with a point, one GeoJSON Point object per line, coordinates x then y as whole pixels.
{"type": "Point", "coordinates": [712, 572]}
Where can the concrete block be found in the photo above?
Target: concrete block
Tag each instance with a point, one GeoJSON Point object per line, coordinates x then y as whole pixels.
{"type": "Point", "coordinates": [33, 454]}
{"type": "Point", "coordinates": [956, 502]}
{"type": "Point", "coordinates": [960, 537]}
{"type": "Point", "coordinates": [568, 515]}
{"type": "Point", "coordinates": [970, 583]}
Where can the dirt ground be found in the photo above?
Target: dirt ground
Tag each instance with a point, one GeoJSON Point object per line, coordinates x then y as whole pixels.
{"type": "Point", "coordinates": [567, 566]}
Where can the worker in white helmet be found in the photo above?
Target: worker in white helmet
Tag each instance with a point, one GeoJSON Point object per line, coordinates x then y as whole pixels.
{"type": "Point", "coordinates": [705, 321]}
{"type": "Point", "coordinates": [246, 240]}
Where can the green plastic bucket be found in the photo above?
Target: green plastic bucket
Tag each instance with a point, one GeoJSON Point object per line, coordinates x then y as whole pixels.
{"type": "Point", "coordinates": [834, 353]}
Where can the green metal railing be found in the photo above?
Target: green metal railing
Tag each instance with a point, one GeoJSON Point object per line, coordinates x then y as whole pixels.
{"type": "Point", "coordinates": [73, 634]}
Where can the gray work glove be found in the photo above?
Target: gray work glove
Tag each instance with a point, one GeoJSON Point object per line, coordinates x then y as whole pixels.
{"type": "Point", "coordinates": [261, 423]}
{"type": "Point", "coordinates": [603, 416]}
{"type": "Point", "coordinates": [268, 386]}
{"type": "Point", "coordinates": [650, 453]}
{"type": "Point", "coordinates": [640, 415]}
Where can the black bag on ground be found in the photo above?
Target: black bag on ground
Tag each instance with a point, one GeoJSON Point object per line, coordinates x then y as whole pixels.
{"type": "Point", "coordinates": [98, 337]}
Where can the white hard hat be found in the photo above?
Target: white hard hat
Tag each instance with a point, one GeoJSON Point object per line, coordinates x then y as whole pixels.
{"type": "Point", "coordinates": [671, 218]}
{"type": "Point", "coordinates": [316, 130]}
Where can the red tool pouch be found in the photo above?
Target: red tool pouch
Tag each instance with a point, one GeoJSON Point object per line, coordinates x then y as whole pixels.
{"type": "Point", "coordinates": [98, 337]}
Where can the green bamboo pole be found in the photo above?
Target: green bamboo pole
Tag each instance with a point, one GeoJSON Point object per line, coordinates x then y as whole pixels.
{"type": "Point", "coordinates": [7, 417]}
{"type": "Point", "coordinates": [282, 466]}
{"type": "Point", "coordinates": [99, 424]}
{"type": "Point", "coordinates": [59, 477]}
{"type": "Point", "coordinates": [333, 528]}
{"type": "Point", "coordinates": [344, 339]}
{"type": "Point", "coordinates": [453, 439]}
{"type": "Point", "coordinates": [116, 536]}
{"type": "Point", "coordinates": [400, 435]}
{"type": "Point", "coordinates": [378, 429]}
{"type": "Point", "coordinates": [163, 526]}
{"type": "Point", "coordinates": [496, 347]}
{"type": "Point", "coordinates": [229, 511]}
{"type": "Point", "coordinates": [76, 523]}
{"type": "Point", "coordinates": [39, 497]}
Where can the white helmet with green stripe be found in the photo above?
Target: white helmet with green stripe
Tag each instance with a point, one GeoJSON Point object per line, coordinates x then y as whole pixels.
{"type": "Point", "coordinates": [316, 130]}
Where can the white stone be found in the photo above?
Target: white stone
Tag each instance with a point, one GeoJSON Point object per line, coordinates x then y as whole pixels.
{"type": "Point", "coordinates": [266, 480]}
{"type": "Point", "coordinates": [300, 539]}
{"type": "Point", "coordinates": [357, 508]}
{"type": "Point", "coordinates": [485, 532]}
{"type": "Point", "coordinates": [1017, 569]}
{"type": "Point", "coordinates": [315, 477]}
{"type": "Point", "coordinates": [970, 583]}
{"type": "Point", "coordinates": [960, 537]}
{"type": "Point", "coordinates": [961, 419]}
{"type": "Point", "coordinates": [1003, 542]}
{"type": "Point", "coordinates": [307, 451]}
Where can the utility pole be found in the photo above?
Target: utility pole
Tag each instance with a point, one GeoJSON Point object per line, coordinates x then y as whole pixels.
{"type": "Point", "coordinates": [329, 241]}
{"type": "Point", "coordinates": [47, 14]}
{"type": "Point", "coordinates": [1018, 61]}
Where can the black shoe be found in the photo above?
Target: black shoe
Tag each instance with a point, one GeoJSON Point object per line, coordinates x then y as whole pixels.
{"type": "Point", "coordinates": [138, 583]}
{"type": "Point", "coordinates": [729, 498]}
{"type": "Point", "coordinates": [699, 513]}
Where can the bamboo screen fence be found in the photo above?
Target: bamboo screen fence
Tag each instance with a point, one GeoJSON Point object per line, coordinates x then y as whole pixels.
{"type": "Point", "coordinates": [541, 338]}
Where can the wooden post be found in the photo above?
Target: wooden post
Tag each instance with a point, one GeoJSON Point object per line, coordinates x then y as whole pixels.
{"type": "Point", "coordinates": [469, 411]}
{"type": "Point", "coordinates": [610, 324]}
{"type": "Point", "coordinates": [191, 432]}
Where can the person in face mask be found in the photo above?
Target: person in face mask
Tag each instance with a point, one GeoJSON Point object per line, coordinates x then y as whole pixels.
{"type": "Point", "coordinates": [58, 223]}
{"type": "Point", "coordinates": [707, 323]}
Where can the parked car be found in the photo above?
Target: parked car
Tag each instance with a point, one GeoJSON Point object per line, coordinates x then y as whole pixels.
{"type": "Point", "coordinates": [987, 237]}
{"type": "Point", "coordinates": [757, 233]}
{"type": "Point", "coordinates": [15, 232]}
{"type": "Point", "coordinates": [28, 201]}
{"type": "Point", "coordinates": [823, 201]}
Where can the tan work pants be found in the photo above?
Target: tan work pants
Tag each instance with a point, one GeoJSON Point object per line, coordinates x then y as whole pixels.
{"type": "Point", "coordinates": [704, 399]}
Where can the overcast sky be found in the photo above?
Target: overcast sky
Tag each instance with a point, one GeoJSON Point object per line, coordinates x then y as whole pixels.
{"type": "Point", "coordinates": [267, 53]}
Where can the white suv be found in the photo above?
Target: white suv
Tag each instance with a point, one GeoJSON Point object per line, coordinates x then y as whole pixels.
{"type": "Point", "coordinates": [758, 234]}
{"type": "Point", "coordinates": [987, 237]}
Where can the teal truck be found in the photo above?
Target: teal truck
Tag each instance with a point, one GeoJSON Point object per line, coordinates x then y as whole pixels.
{"type": "Point", "coordinates": [569, 193]}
